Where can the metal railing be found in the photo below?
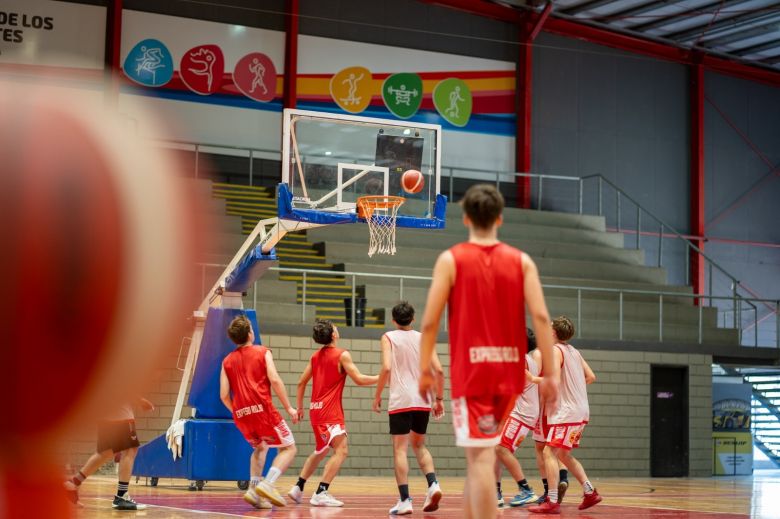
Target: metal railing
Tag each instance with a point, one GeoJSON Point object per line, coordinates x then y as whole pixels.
{"type": "Point", "coordinates": [723, 283]}
{"type": "Point", "coordinates": [662, 297]}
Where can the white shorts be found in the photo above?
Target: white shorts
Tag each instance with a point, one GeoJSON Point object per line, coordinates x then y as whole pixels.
{"type": "Point", "coordinates": [566, 436]}
{"type": "Point", "coordinates": [478, 421]}
{"type": "Point", "coordinates": [514, 433]}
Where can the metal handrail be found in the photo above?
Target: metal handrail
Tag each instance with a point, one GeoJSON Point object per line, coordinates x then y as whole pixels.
{"type": "Point", "coordinates": [580, 289]}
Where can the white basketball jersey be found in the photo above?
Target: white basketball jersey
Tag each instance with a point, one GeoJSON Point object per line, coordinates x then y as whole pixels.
{"type": "Point", "coordinates": [405, 372]}
{"type": "Point", "coordinates": [573, 402]}
{"type": "Point", "coordinates": [527, 405]}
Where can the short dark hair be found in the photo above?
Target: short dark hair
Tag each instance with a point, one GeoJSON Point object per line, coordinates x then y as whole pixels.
{"type": "Point", "coordinates": [322, 333]}
{"type": "Point", "coordinates": [564, 328]}
{"type": "Point", "coordinates": [239, 330]}
{"type": "Point", "coordinates": [403, 313]}
{"type": "Point", "coordinates": [483, 204]}
{"type": "Point", "coordinates": [530, 339]}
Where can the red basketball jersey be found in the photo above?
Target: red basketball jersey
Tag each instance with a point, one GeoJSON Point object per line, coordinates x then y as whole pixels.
{"type": "Point", "coordinates": [327, 386]}
{"type": "Point", "coordinates": [245, 368]}
{"type": "Point", "coordinates": [487, 321]}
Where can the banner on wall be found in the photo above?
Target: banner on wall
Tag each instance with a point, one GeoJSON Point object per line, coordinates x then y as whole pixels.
{"type": "Point", "coordinates": [202, 69]}
{"type": "Point", "coordinates": [452, 98]}
{"type": "Point", "coordinates": [731, 437]}
{"type": "Point", "coordinates": [403, 94]}
{"type": "Point", "coordinates": [53, 34]}
{"type": "Point", "coordinates": [351, 88]}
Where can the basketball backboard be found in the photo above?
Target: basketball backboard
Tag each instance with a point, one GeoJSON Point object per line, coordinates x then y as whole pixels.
{"type": "Point", "coordinates": [331, 160]}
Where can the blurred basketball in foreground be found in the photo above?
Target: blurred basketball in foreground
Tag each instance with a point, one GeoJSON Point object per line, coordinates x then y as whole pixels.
{"type": "Point", "coordinates": [412, 181]}
{"type": "Point", "coordinates": [97, 278]}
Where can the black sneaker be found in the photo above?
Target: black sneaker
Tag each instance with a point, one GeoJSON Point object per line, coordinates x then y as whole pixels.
{"type": "Point", "coordinates": [126, 502]}
{"type": "Point", "coordinates": [563, 486]}
{"type": "Point", "coordinates": [542, 499]}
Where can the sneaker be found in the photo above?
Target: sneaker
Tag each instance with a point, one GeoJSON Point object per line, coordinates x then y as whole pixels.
{"type": "Point", "coordinates": [296, 494]}
{"type": "Point", "coordinates": [546, 508]}
{"type": "Point", "coordinates": [542, 499]}
{"type": "Point", "coordinates": [268, 491]}
{"type": "Point", "coordinates": [563, 486]}
{"type": "Point", "coordinates": [126, 503]}
{"type": "Point", "coordinates": [402, 507]}
{"type": "Point", "coordinates": [72, 491]}
{"type": "Point", "coordinates": [589, 500]}
{"type": "Point", "coordinates": [324, 499]}
{"type": "Point", "coordinates": [523, 498]}
{"type": "Point", "coordinates": [258, 502]}
{"type": "Point", "coordinates": [432, 498]}
{"type": "Point", "coordinates": [500, 498]}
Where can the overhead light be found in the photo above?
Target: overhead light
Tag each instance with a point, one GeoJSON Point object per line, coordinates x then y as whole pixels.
{"type": "Point", "coordinates": [328, 153]}
{"type": "Point", "coordinates": [238, 29]}
{"type": "Point", "coordinates": [407, 131]}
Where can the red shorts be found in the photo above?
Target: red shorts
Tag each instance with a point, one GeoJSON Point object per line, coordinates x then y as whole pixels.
{"type": "Point", "coordinates": [258, 429]}
{"type": "Point", "coordinates": [513, 433]}
{"type": "Point", "coordinates": [566, 435]}
{"type": "Point", "coordinates": [324, 433]}
{"type": "Point", "coordinates": [478, 420]}
{"type": "Point", "coordinates": [540, 431]}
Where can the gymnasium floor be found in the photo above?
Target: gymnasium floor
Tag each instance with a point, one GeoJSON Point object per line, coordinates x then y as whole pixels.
{"type": "Point", "coordinates": [365, 497]}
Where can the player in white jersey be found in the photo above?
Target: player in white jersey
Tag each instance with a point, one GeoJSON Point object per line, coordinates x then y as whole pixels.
{"type": "Point", "coordinates": [521, 421]}
{"type": "Point", "coordinates": [409, 412]}
{"type": "Point", "coordinates": [566, 422]}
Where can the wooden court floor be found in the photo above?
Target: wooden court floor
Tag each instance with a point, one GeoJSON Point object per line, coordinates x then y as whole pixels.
{"type": "Point", "coordinates": [370, 497]}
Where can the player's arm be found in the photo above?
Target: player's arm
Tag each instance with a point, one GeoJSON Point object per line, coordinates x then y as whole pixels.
{"type": "Point", "coordinates": [278, 386]}
{"type": "Point", "coordinates": [224, 389]}
{"type": "Point", "coordinates": [540, 319]}
{"type": "Point", "coordinates": [302, 382]}
{"type": "Point", "coordinates": [438, 294]}
{"type": "Point", "coordinates": [590, 377]}
{"type": "Point", "coordinates": [438, 372]}
{"type": "Point", "coordinates": [384, 373]}
{"type": "Point", "coordinates": [530, 378]}
{"type": "Point", "coordinates": [354, 373]}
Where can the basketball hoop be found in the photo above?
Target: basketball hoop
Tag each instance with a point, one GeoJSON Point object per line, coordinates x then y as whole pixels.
{"type": "Point", "coordinates": [380, 213]}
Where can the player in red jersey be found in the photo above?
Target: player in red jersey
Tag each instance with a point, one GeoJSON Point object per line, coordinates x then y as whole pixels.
{"type": "Point", "coordinates": [487, 286]}
{"type": "Point", "coordinates": [249, 373]}
{"type": "Point", "coordinates": [328, 367]}
{"type": "Point", "coordinates": [565, 422]}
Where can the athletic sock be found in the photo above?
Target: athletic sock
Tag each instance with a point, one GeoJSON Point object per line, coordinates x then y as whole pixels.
{"type": "Point", "coordinates": [122, 487]}
{"type": "Point", "coordinates": [323, 487]}
{"type": "Point", "coordinates": [553, 495]}
{"type": "Point", "coordinates": [563, 475]}
{"type": "Point", "coordinates": [273, 475]}
{"type": "Point", "coordinates": [403, 491]}
{"type": "Point", "coordinates": [587, 487]}
{"type": "Point", "coordinates": [300, 483]}
{"type": "Point", "coordinates": [498, 487]}
{"type": "Point", "coordinates": [523, 485]}
{"type": "Point", "coordinates": [254, 481]}
{"type": "Point", "coordinates": [78, 479]}
{"type": "Point", "coordinates": [430, 478]}
{"type": "Point", "coordinates": [544, 482]}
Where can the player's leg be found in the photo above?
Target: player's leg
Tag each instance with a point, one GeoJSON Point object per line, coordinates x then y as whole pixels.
{"type": "Point", "coordinates": [332, 467]}
{"type": "Point", "coordinates": [551, 505]}
{"type": "Point", "coordinates": [97, 460]}
{"type": "Point", "coordinates": [591, 497]}
{"type": "Point", "coordinates": [401, 466]}
{"type": "Point", "coordinates": [480, 466]}
{"type": "Point", "coordinates": [309, 466]}
{"type": "Point", "coordinates": [525, 494]}
{"type": "Point", "coordinates": [256, 464]}
{"type": "Point", "coordinates": [425, 461]}
{"type": "Point", "coordinates": [540, 466]}
{"type": "Point", "coordinates": [266, 488]}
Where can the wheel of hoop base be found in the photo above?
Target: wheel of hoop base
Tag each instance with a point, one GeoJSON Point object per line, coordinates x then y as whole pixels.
{"type": "Point", "coordinates": [367, 204]}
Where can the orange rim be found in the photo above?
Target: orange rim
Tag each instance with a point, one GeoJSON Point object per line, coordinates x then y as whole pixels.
{"type": "Point", "coordinates": [367, 204]}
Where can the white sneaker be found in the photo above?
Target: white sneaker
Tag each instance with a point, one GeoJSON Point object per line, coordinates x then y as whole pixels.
{"type": "Point", "coordinates": [432, 498]}
{"type": "Point", "coordinates": [296, 494]}
{"type": "Point", "coordinates": [402, 507]}
{"type": "Point", "coordinates": [269, 492]}
{"type": "Point", "coordinates": [324, 499]}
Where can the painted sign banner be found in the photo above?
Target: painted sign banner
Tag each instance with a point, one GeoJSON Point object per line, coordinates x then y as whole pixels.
{"type": "Point", "coordinates": [452, 99]}
{"type": "Point", "coordinates": [149, 63]}
{"type": "Point", "coordinates": [351, 89]}
{"type": "Point", "coordinates": [255, 77]}
{"type": "Point", "coordinates": [202, 68]}
{"type": "Point", "coordinates": [732, 441]}
{"type": "Point", "coordinates": [403, 94]}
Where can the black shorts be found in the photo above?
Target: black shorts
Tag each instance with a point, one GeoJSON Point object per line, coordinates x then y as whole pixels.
{"type": "Point", "coordinates": [117, 436]}
{"type": "Point", "coordinates": [416, 421]}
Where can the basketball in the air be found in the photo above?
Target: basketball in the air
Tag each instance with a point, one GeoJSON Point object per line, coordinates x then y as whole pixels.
{"type": "Point", "coordinates": [412, 181]}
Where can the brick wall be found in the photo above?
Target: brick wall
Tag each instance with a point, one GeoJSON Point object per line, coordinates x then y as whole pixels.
{"type": "Point", "coordinates": [616, 443]}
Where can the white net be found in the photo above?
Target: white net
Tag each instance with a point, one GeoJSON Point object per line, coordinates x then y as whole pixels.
{"type": "Point", "coordinates": [380, 213]}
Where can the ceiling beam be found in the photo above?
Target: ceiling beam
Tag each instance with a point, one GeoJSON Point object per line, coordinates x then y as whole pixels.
{"type": "Point", "coordinates": [684, 15]}
{"type": "Point", "coordinates": [636, 10]}
{"type": "Point", "coordinates": [586, 6]}
{"type": "Point", "coordinates": [481, 8]}
{"type": "Point", "coordinates": [725, 25]}
{"type": "Point", "coordinates": [759, 47]}
{"type": "Point", "coordinates": [774, 60]}
{"type": "Point", "coordinates": [752, 32]}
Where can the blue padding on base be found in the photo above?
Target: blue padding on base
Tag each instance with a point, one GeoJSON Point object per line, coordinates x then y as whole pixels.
{"type": "Point", "coordinates": [285, 210]}
{"type": "Point", "coordinates": [215, 346]}
{"type": "Point", "coordinates": [249, 269]}
{"type": "Point", "coordinates": [212, 450]}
